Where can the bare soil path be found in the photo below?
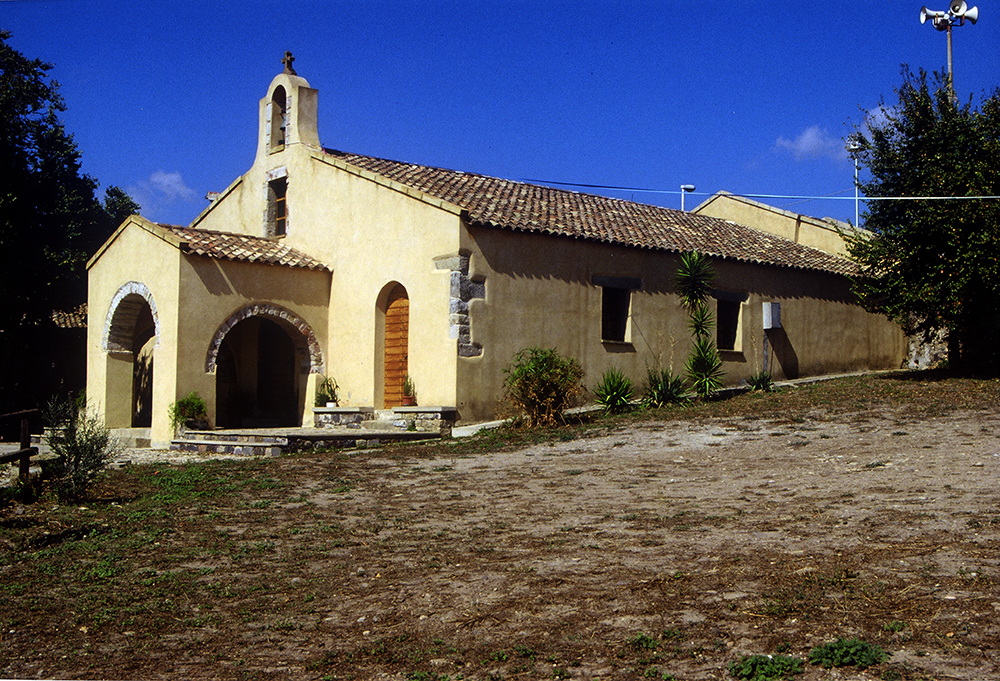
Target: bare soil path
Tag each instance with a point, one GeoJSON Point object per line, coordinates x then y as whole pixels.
{"type": "Point", "coordinates": [647, 550]}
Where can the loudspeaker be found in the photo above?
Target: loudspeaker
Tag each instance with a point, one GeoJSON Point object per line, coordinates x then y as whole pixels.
{"type": "Point", "coordinates": [926, 14]}
{"type": "Point", "coordinates": [971, 15]}
{"type": "Point", "coordinates": [958, 7]}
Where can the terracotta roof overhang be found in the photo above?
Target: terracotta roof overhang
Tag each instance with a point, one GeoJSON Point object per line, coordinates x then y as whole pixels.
{"type": "Point", "coordinates": [507, 204]}
{"type": "Point", "coordinates": [240, 247]}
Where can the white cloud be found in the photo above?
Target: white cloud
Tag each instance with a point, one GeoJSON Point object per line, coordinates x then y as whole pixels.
{"type": "Point", "coordinates": [812, 143]}
{"type": "Point", "coordinates": [171, 186]}
{"type": "Point", "coordinates": [161, 191]}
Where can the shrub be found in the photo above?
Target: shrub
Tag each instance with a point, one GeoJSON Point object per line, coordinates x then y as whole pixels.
{"type": "Point", "coordinates": [765, 667]}
{"type": "Point", "coordinates": [327, 391]}
{"type": "Point", "coordinates": [187, 409]}
{"type": "Point", "coordinates": [84, 444]}
{"type": "Point", "coordinates": [615, 391]}
{"type": "Point", "coordinates": [540, 383]}
{"type": "Point", "coordinates": [761, 382]}
{"type": "Point", "coordinates": [663, 387]}
{"type": "Point", "coordinates": [704, 368]}
{"type": "Point", "coordinates": [848, 652]}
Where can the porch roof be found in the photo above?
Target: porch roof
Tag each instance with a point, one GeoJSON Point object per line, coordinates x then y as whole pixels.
{"type": "Point", "coordinates": [240, 247]}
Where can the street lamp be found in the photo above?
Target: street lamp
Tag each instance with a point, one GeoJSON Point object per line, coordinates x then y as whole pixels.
{"type": "Point", "coordinates": [957, 14]}
{"type": "Point", "coordinates": [853, 147]}
{"type": "Point", "coordinates": [684, 189]}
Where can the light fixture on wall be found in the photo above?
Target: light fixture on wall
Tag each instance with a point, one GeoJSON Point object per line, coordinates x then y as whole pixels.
{"type": "Point", "coordinates": [685, 188]}
{"type": "Point", "coordinates": [958, 13]}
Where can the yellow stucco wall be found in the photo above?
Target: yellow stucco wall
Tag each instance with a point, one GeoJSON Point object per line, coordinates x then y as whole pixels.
{"type": "Point", "coordinates": [802, 229]}
{"type": "Point", "coordinates": [370, 233]}
{"type": "Point", "coordinates": [539, 291]}
{"type": "Point", "coordinates": [109, 375]}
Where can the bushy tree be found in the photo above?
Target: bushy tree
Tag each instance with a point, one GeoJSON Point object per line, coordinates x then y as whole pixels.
{"type": "Point", "coordinates": [50, 221]}
{"type": "Point", "coordinates": [934, 264]}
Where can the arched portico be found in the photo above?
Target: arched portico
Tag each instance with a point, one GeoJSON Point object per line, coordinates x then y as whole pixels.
{"type": "Point", "coordinates": [130, 335]}
{"type": "Point", "coordinates": [262, 356]}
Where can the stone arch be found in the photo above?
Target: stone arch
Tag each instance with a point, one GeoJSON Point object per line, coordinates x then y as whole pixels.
{"type": "Point", "coordinates": [306, 345]}
{"type": "Point", "coordinates": [126, 306]}
{"type": "Point", "coordinates": [130, 336]}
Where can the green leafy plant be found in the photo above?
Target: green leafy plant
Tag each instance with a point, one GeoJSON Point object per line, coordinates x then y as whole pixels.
{"type": "Point", "coordinates": [693, 282]}
{"type": "Point", "coordinates": [540, 384]}
{"type": "Point", "coordinates": [327, 391]}
{"type": "Point", "coordinates": [848, 652]}
{"type": "Point", "coordinates": [761, 382]}
{"type": "Point", "coordinates": [84, 444]}
{"type": "Point", "coordinates": [663, 387]}
{"type": "Point", "coordinates": [190, 408]}
{"type": "Point", "coordinates": [615, 391]}
{"type": "Point", "coordinates": [765, 667]}
{"type": "Point", "coordinates": [409, 389]}
{"type": "Point", "coordinates": [704, 368]}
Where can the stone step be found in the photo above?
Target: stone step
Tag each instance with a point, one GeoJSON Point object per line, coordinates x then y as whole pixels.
{"type": "Point", "coordinates": [227, 447]}
{"type": "Point", "coordinates": [273, 443]}
{"type": "Point", "coordinates": [248, 437]}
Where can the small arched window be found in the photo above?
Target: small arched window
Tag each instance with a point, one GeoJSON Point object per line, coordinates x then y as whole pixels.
{"type": "Point", "coordinates": [279, 118]}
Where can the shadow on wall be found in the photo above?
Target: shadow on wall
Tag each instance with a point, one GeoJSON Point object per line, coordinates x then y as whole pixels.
{"type": "Point", "coordinates": [784, 353]}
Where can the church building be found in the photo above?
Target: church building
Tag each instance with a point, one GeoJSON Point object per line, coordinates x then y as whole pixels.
{"type": "Point", "coordinates": [322, 263]}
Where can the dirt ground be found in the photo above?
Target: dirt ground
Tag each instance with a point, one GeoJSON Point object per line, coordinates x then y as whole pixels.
{"type": "Point", "coordinates": [653, 550]}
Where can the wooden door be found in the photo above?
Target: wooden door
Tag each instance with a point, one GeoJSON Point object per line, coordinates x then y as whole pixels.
{"type": "Point", "coordinates": [397, 326]}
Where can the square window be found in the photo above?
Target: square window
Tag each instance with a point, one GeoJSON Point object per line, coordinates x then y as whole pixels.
{"type": "Point", "coordinates": [615, 304]}
{"type": "Point", "coordinates": [276, 208]}
{"type": "Point", "coordinates": [727, 324]}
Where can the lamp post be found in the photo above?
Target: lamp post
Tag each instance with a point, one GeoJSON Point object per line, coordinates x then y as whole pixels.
{"type": "Point", "coordinates": [957, 14]}
{"type": "Point", "coordinates": [684, 189]}
{"type": "Point", "coordinates": [853, 148]}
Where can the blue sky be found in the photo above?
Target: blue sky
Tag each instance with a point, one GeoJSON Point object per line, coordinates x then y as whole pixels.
{"type": "Point", "coordinates": [749, 98]}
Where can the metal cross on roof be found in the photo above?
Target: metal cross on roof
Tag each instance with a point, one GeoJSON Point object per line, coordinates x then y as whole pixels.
{"type": "Point", "coordinates": [287, 61]}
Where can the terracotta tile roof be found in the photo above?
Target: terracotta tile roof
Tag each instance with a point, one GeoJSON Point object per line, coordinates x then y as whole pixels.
{"type": "Point", "coordinates": [228, 246]}
{"type": "Point", "coordinates": [506, 204]}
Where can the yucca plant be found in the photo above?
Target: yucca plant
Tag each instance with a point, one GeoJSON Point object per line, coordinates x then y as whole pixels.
{"type": "Point", "coordinates": [761, 382]}
{"type": "Point", "coordinates": [694, 279]}
{"type": "Point", "coordinates": [663, 387]}
{"type": "Point", "coordinates": [693, 282]}
{"type": "Point", "coordinates": [703, 368]}
{"type": "Point", "coordinates": [615, 391]}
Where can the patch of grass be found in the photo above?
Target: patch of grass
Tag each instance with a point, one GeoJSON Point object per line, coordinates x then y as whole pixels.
{"type": "Point", "coordinates": [848, 653]}
{"type": "Point", "coordinates": [765, 667]}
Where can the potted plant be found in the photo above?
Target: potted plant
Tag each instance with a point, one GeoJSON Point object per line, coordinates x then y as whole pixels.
{"type": "Point", "coordinates": [189, 413]}
{"type": "Point", "coordinates": [409, 392]}
{"type": "Point", "coordinates": [326, 392]}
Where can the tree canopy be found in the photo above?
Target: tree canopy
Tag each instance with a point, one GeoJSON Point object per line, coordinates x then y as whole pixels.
{"type": "Point", "coordinates": [933, 263]}
{"type": "Point", "coordinates": [50, 218]}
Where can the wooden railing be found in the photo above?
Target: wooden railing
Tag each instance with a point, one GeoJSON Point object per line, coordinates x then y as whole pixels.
{"type": "Point", "coordinates": [24, 454]}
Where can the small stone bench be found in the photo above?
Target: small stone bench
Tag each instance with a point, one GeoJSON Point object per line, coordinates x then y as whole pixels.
{"type": "Point", "coordinates": [342, 417]}
{"type": "Point", "coordinates": [427, 419]}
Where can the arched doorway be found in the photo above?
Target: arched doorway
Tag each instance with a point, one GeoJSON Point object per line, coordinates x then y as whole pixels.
{"type": "Point", "coordinates": [262, 357]}
{"type": "Point", "coordinates": [255, 379]}
{"type": "Point", "coordinates": [396, 343]}
{"type": "Point", "coordinates": [130, 337]}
